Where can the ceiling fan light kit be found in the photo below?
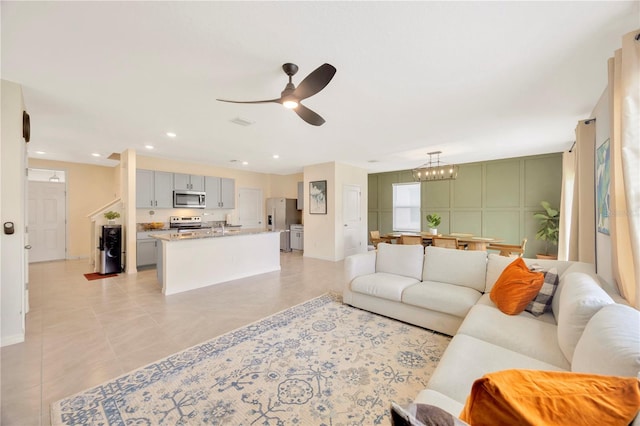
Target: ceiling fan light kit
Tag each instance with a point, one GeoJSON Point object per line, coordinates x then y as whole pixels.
{"type": "Point", "coordinates": [291, 96]}
{"type": "Point", "coordinates": [435, 170]}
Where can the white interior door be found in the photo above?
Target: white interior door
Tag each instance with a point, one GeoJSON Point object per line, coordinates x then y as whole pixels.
{"type": "Point", "coordinates": [250, 208]}
{"type": "Point", "coordinates": [352, 221]}
{"type": "Point", "coordinates": [47, 221]}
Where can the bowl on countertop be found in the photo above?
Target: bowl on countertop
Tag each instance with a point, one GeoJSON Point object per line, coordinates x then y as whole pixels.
{"type": "Point", "coordinates": [153, 225]}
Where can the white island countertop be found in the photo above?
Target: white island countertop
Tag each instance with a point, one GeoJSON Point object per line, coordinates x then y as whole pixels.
{"type": "Point", "coordinates": [195, 259]}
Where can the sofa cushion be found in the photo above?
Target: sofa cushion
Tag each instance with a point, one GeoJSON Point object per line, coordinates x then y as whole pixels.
{"type": "Point", "coordinates": [485, 300]}
{"type": "Point", "coordinates": [497, 263]}
{"type": "Point", "coordinates": [525, 397]}
{"type": "Point", "coordinates": [610, 343]}
{"type": "Point", "coordinates": [580, 298]}
{"type": "Point", "coordinates": [542, 302]}
{"type": "Point", "coordinates": [468, 358]}
{"type": "Point", "coordinates": [528, 336]}
{"type": "Point", "coordinates": [460, 267]}
{"type": "Point", "coordinates": [516, 287]}
{"type": "Point", "coordinates": [383, 285]}
{"type": "Point", "coordinates": [440, 297]}
{"type": "Point", "coordinates": [400, 259]}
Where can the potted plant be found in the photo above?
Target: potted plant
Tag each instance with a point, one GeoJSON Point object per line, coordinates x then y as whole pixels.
{"type": "Point", "coordinates": [111, 216]}
{"type": "Point", "coordinates": [549, 228]}
{"type": "Point", "coordinates": [433, 220]}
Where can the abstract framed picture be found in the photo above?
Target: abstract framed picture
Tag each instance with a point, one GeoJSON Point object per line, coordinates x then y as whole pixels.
{"type": "Point", "coordinates": [603, 182]}
{"type": "Point", "coordinates": [318, 197]}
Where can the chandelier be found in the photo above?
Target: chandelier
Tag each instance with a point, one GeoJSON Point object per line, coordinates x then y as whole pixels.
{"type": "Point", "coordinates": [434, 170]}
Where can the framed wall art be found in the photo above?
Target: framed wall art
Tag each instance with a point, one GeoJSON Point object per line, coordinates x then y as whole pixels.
{"type": "Point", "coordinates": [603, 182]}
{"type": "Point", "coordinates": [318, 197]}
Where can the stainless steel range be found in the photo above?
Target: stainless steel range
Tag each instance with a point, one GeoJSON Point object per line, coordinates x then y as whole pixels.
{"type": "Point", "coordinates": [187, 223]}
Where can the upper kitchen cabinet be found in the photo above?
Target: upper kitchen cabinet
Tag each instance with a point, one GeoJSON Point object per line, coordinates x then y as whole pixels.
{"type": "Point", "coordinates": [300, 200]}
{"type": "Point", "coordinates": [154, 189]}
{"type": "Point", "coordinates": [188, 182]}
{"type": "Point", "coordinates": [221, 192]}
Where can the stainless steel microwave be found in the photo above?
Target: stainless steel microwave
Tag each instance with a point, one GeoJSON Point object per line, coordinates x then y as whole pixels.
{"type": "Point", "coordinates": [189, 199]}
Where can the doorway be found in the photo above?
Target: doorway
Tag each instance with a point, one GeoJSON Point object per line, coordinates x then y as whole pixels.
{"type": "Point", "coordinates": [47, 215]}
{"type": "Point", "coordinates": [352, 219]}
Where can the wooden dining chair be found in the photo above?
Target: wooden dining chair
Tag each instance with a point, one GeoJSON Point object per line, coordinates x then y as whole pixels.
{"type": "Point", "coordinates": [411, 239]}
{"type": "Point", "coordinates": [445, 242]}
{"type": "Point", "coordinates": [376, 238]}
{"type": "Point", "coordinates": [509, 249]}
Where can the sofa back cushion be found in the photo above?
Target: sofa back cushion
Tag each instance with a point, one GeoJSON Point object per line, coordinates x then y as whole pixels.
{"type": "Point", "coordinates": [400, 259]}
{"type": "Point", "coordinates": [497, 263]}
{"type": "Point", "coordinates": [459, 267]}
{"type": "Point", "coordinates": [580, 299]}
{"type": "Point", "coordinates": [610, 343]}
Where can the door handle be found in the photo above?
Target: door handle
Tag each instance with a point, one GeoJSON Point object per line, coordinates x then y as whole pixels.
{"type": "Point", "coordinates": [28, 246]}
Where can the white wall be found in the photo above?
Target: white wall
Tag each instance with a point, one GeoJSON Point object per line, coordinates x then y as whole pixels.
{"type": "Point", "coordinates": [323, 234]}
{"type": "Point", "coordinates": [604, 265]}
{"type": "Point", "coordinates": [12, 209]}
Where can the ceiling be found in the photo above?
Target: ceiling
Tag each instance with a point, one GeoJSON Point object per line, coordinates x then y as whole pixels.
{"type": "Point", "coordinates": [476, 80]}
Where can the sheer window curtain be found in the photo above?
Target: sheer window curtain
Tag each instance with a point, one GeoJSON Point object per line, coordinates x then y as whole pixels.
{"type": "Point", "coordinates": [624, 86]}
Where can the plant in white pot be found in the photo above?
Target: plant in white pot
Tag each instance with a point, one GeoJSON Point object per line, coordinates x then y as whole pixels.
{"type": "Point", "coordinates": [433, 220]}
{"type": "Point", "coordinates": [111, 216]}
{"type": "Point", "coordinates": [549, 229]}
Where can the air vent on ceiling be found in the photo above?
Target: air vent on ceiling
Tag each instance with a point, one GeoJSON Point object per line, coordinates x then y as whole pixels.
{"type": "Point", "coordinates": [241, 122]}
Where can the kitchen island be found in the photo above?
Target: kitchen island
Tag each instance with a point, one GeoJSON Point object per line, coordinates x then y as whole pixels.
{"type": "Point", "coordinates": [191, 260]}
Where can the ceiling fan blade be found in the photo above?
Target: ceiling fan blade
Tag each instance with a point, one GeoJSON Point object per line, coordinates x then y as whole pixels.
{"type": "Point", "coordinates": [250, 102]}
{"type": "Point", "coordinates": [309, 116]}
{"type": "Point", "coordinates": [315, 82]}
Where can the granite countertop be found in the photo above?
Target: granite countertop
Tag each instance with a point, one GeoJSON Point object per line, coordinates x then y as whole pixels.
{"type": "Point", "coordinates": [208, 233]}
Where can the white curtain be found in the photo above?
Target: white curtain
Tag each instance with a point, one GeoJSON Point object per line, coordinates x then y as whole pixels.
{"type": "Point", "coordinates": [624, 86]}
{"type": "Point", "coordinates": [576, 240]}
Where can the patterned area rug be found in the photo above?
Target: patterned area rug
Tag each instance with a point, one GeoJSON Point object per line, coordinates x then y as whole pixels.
{"type": "Point", "coordinates": [318, 363]}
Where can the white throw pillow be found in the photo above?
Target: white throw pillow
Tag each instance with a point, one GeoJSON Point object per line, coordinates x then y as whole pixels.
{"type": "Point", "coordinates": [400, 259]}
{"type": "Point", "coordinates": [580, 299]}
{"type": "Point", "coordinates": [610, 343]}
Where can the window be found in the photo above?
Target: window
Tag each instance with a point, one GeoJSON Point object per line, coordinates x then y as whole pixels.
{"type": "Point", "coordinates": [406, 207]}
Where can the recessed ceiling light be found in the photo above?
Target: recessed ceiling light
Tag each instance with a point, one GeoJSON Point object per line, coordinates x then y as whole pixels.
{"type": "Point", "coordinates": [244, 163]}
{"type": "Point", "coordinates": [40, 152]}
{"type": "Point", "coordinates": [95, 154]}
{"type": "Point", "coordinates": [171, 134]}
{"type": "Point", "coordinates": [149, 146]}
{"type": "Point", "coordinates": [276, 156]}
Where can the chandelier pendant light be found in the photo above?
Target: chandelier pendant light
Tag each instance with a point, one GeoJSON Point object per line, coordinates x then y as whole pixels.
{"type": "Point", "coordinates": [435, 170]}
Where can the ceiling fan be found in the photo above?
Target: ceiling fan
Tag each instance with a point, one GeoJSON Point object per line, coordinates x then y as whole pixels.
{"type": "Point", "coordinates": [291, 96]}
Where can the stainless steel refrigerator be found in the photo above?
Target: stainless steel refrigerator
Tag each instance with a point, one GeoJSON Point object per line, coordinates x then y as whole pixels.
{"type": "Point", "coordinates": [281, 214]}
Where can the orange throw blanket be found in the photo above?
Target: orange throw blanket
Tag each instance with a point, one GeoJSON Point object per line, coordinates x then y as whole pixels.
{"type": "Point", "coordinates": [530, 397]}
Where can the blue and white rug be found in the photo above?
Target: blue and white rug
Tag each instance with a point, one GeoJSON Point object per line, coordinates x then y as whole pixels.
{"type": "Point", "coordinates": [318, 363]}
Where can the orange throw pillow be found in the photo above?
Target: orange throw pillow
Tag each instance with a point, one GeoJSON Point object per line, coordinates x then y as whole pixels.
{"type": "Point", "coordinates": [516, 287]}
{"type": "Point", "coordinates": [529, 397]}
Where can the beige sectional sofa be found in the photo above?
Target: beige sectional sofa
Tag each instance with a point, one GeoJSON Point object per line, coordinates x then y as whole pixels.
{"type": "Point", "coordinates": [449, 291]}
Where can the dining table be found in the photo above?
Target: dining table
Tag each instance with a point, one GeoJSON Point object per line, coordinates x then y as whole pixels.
{"type": "Point", "coordinates": [472, 242]}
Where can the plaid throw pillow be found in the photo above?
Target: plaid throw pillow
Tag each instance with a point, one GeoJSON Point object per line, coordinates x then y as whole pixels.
{"type": "Point", "coordinates": [542, 302]}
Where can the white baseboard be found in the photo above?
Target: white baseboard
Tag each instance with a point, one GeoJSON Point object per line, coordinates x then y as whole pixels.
{"type": "Point", "coordinates": [12, 340]}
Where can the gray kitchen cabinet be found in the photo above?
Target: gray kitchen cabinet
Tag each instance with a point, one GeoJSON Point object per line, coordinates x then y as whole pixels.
{"type": "Point", "coordinates": [297, 237]}
{"type": "Point", "coordinates": [188, 182]}
{"type": "Point", "coordinates": [146, 252]}
{"type": "Point", "coordinates": [300, 201]}
{"type": "Point", "coordinates": [221, 192]}
{"type": "Point", "coordinates": [154, 189]}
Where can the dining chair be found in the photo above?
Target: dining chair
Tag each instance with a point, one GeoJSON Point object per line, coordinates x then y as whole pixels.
{"type": "Point", "coordinates": [509, 249]}
{"type": "Point", "coordinates": [376, 238]}
{"type": "Point", "coordinates": [411, 239]}
{"type": "Point", "coordinates": [445, 242]}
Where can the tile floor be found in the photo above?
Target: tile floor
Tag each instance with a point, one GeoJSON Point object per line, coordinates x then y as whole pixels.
{"type": "Point", "coordinates": [81, 333]}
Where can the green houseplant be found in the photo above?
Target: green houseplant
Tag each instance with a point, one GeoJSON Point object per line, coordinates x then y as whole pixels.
{"type": "Point", "coordinates": [433, 220]}
{"type": "Point", "coordinates": [111, 216]}
{"type": "Point", "coordinates": [549, 227]}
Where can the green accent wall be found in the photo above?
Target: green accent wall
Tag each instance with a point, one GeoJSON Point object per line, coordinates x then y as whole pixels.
{"type": "Point", "coordinates": [492, 198]}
